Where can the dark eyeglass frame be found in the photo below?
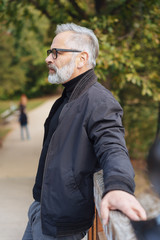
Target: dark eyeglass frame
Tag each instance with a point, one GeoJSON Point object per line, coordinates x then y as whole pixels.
{"type": "Point", "coordinates": [55, 51]}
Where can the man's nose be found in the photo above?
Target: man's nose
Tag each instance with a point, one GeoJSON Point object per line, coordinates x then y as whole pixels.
{"type": "Point", "coordinates": [49, 59]}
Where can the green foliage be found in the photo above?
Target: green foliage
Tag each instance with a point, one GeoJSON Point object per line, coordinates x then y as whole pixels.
{"type": "Point", "coordinates": [140, 121]}
{"type": "Point", "coordinates": [127, 30]}
{"type": "Point", "coordinates": [11, 74]}
{"type": "Point", "coordinates": [23, 48]}
{"type": "Point", "coordinates": [130, 53]}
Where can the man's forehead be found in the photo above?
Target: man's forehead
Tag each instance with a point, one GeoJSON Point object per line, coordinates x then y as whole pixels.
{"type": "Point", "coordinates": [60, 39]}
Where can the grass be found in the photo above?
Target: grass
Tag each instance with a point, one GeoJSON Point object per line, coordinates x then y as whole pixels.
{"type": "Point", "coordinates": [32, 103]}
{"type": "Point", "coordinates": [4, 132]}
{"type": "Point", "coordinates": [4, 105]}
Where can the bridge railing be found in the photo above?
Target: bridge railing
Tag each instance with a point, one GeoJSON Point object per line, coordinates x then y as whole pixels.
{"type": "Point", "coordinates": [119, 226]}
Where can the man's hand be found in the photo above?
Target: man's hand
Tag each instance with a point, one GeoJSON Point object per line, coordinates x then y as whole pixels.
{"type": "Point", "coordinates": [123, 201]}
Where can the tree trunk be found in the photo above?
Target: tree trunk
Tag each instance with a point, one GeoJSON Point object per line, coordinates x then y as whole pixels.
{"type": "Point", "coordinates": [99, 4]}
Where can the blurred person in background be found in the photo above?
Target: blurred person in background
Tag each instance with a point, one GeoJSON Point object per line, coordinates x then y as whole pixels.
{"type": "Point", "coordinates": [83, 134]}
{"type": "Point", "coordinates": [23, 119]}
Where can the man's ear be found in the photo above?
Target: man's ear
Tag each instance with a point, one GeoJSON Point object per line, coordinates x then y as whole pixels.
{"type": "Point", "coordinates": [82, 59]}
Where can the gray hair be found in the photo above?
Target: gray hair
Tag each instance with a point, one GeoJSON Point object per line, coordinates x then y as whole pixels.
{"type": "Point", "coordinates": [82, 39]}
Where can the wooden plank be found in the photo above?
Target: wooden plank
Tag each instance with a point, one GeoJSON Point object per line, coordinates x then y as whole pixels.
{"type": "Point", "coordinates": [90, 234]}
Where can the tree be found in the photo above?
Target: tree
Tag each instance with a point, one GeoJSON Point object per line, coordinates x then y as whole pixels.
{"type": "Point", "coordinates": [11, 74]}
{"type": "Point", "coordinates": [23, 50]}
{"type": "Point", "coordinates": [127, 29]}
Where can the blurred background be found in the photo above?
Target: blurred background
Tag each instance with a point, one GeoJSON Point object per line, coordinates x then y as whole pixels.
{"type": "Point", "coordinates": [128, 62]}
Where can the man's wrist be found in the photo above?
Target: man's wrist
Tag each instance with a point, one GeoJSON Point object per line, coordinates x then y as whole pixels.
{"type": "Point", "coordinates": [118, 183]}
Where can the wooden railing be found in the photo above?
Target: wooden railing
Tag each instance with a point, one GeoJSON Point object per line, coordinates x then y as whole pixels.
{"type": "Point", "coordinates": [119, 226]}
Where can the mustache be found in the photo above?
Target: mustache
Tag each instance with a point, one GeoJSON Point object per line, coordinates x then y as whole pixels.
{"type": "Point", "coordinates": [53, 67]}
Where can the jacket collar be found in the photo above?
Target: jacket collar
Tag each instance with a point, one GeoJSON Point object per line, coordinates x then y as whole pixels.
{"type": "Point", "coordinates": [85, 83]}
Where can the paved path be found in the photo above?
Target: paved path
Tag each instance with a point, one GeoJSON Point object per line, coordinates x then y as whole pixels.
{"type": "Point", "coordinates": [18, 164]}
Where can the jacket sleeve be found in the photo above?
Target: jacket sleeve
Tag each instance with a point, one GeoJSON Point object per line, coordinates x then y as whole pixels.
{"type": "Point", "coordinates": [106, 133]}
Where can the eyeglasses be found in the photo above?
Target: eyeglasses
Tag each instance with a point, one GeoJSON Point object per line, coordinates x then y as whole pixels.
{"type": "Point", "coordinates": [55, 51]}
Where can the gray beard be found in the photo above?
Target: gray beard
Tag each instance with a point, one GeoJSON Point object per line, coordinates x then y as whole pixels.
{"type": "Point", "coordinates": [63, 74]}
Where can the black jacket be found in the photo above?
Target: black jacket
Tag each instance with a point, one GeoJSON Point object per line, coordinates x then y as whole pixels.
{"type": "Point", "coordinates": [23, 115]}
{"type": "Point", "coordinates": [89, 134]}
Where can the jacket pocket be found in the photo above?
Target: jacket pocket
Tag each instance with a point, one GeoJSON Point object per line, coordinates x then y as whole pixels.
{"type": "Point", "coordinates": [72, 187]}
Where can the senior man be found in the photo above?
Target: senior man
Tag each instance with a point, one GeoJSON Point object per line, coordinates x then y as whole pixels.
{"type": "Point", "coordinates": [83, 133]}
